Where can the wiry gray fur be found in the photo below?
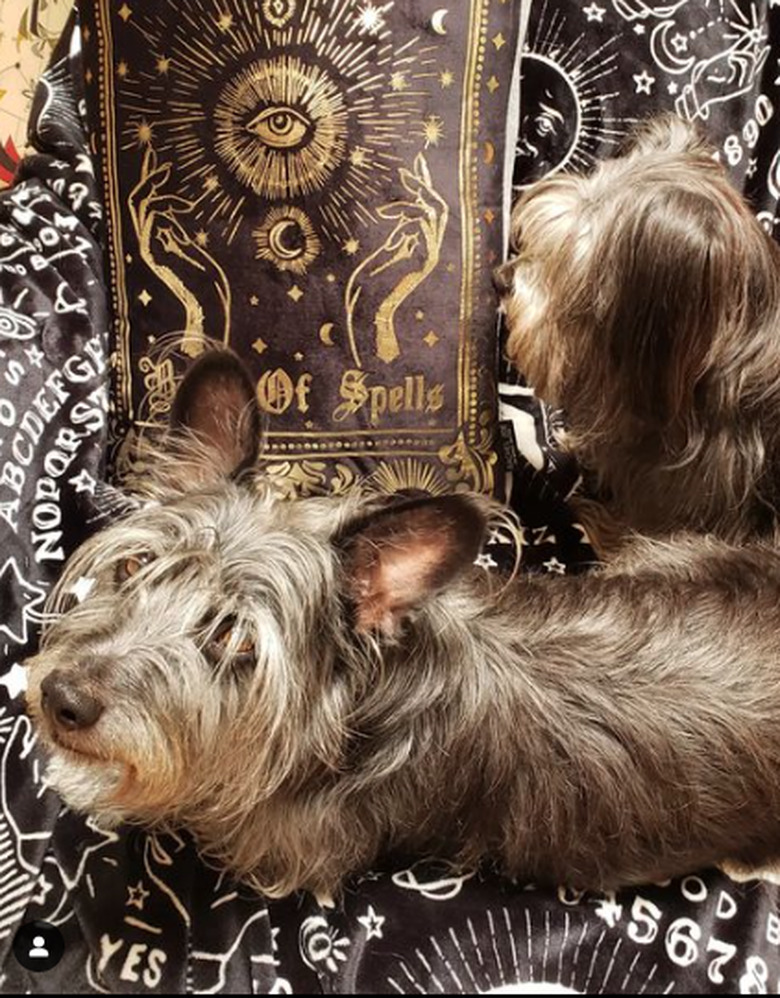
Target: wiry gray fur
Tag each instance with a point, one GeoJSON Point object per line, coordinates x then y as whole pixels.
{"type": "Point", "coordinates": [595, 731]}
{"type": "Point", "coordinates": [644, 299]}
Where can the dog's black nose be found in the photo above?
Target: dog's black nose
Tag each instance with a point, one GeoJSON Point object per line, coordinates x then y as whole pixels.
{"type": "Point", "coordinates": [67, 704]}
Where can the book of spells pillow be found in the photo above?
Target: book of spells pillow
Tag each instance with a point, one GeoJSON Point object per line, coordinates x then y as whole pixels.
{"type": "Point", "coordinates": [320, 185]}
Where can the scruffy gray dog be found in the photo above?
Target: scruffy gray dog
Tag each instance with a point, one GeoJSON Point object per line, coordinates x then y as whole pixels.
{"type": "Point", "coordinates": [644, 300]}
{"type": "Point", "coordinates": [309, 685]}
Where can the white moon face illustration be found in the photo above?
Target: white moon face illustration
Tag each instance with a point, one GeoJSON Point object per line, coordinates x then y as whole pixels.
{"type": "Point", "coordinates": [437, 21]}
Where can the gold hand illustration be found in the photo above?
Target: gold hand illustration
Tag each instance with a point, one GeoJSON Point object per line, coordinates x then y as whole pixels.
{"type": "Point", "coordinates": [386, 278]}
{"type": "Point", "coordinates": [177, 259]}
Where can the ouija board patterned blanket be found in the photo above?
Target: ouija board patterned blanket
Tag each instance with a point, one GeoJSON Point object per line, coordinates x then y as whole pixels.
{"type": "Point", "coordinates": [143, 913]}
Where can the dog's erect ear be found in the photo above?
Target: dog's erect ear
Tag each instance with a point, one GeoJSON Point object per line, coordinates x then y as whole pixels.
{"type": "Point", "coordinates": [397, 558]}
{"type": "Point", "coordinates": [216, 403]}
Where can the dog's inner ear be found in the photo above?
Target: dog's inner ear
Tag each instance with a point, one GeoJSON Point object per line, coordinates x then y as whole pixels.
{"type": "Point", "coordinates": [398, 558]}
{"type": "Point", "coordinates": [216, 403]}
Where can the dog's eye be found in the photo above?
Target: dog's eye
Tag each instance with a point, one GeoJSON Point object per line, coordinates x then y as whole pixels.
{"type": "Point", "coordinates": [131, 566]}
{"type": "Point", "coordinates": [229, 640]}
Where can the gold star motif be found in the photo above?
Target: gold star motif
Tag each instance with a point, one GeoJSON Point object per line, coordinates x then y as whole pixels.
{"type": "Point", "coordinates": [331, 278]}
{"type": "Point", "coordinates": [295, 293]}
{"type": "Point", "coordinates": [225, 22]}
{"type": "Point", "coordinates": [358, 156]}
{"type": "Point", "coordinates": [202, 238]}
{"type": "Point", "coordinates": [122, 69]}
{"type": "Point", "coordinates": [499, 41]}
{"type": "Point", "coordinates": [259, 345]}
{"type": "Point", "coordinates": [351, 246]}
{"type": "Point", "coordinates": [298, 355]}
{"type": "Point", "coordinates": [124, 12]}
{"type": "Point", "coordinates": [446, 78]}
{"type": "Point", "coordinates": [493, 84]}
{"type": "Point", "coordinates": [433, 130]}
{"type": "Point", "coordinates": [254, 300]}
{"type": "Point", "coordinates": [419, 315]}
{"type": "Point", "coordinates": [431, 339]}
{"type": "Point", "coordinates": [144, 297]}
{"type": "Point", "coordinates": [450, 268]}
{"type": "Point", "coordinates": [370, 19]}
{"type": "Point", "coordinates": [211, 182]}
{"type": "Point", "coordinates": [399, 82]}
{"type": "Point", "coordinates": [163, 64]}
{"type": "Point", "coordinates": [144, 133]}
{"type": "Point", "coordinates": [308, 424]}
{"type": "Point", "coordinates": [88, 76]}
{"type": "Point", "coordinates": [489, 216]}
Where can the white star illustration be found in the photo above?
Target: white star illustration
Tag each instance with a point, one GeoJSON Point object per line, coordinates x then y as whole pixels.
{"type": "Point", "coordinates": [372, 923]}
{"type": "Point", "coordinates": [15, 680]}
{"type": "Point", "coordinates": [34, 355]}
{"type": "Point", "coordinates": [644, 82]}
{"type": "Point", "coordinates": [84, 482]}
{"type": "Point", "coordinates": [485, 560]}
{"type": "Point", "coordinates": [639, 29]}
{"type": "Point", "coordinates": [680, 43]}
{"type": "Point", "coordinates": [43, 889]}
{"type": "Point", "coordinates": [609, 910]}
{"type": "Point", "coordinates": [553, 565]}
{"type": "Point", "coordinates": [136, 895]}
{"type": "Point", "coordinates": [594, 12]}
{"type": "Point", "coordinates": [20, 597]}
{"type": "Point", "coordinates": [672, 88]}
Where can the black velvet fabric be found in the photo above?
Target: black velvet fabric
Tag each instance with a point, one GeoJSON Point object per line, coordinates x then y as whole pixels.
{"type": "Point", "coordinates": [143, 913]}
{"type": "Point", "coordinates": [319, 184]}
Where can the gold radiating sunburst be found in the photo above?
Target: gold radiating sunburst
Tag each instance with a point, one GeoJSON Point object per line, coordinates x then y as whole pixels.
{"type": "Point", "coordinates": [281, 127]}
{"type": "Point", "coordinates": [287, 100]}
{"type": "Point", "coordinates": [408, 473]}
{"type": "Point", "coordinates": [287, 239]}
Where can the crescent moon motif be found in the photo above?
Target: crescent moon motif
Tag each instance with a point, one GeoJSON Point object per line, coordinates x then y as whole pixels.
{"type": "Point", "coordinates": [287, 239]}
{"type": "Point", "coordinates": [437, 20]}
{"type": "Point", "coordinates": [326, 334]}
{"type": "Point", "coordinates": [276, 241]}
{"type": "Point", "coordinates": [489, 153]}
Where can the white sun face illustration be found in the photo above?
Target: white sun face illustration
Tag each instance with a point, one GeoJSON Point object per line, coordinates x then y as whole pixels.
{"type": "Point", "coordinates": [566, 98]}
{"type": "Point", "coordinates": [314, 101]}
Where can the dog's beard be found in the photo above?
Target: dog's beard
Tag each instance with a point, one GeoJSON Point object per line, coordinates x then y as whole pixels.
{"type": "Point", "coordinates": [86, 785]}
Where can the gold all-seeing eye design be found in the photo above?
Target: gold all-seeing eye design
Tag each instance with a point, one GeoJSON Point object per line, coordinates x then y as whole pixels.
{"type": "Point", "coordinates": [280, 127]}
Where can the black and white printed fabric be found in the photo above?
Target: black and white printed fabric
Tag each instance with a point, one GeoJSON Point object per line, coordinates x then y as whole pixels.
{"type": "Point", "coordinates": [142, 913]}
